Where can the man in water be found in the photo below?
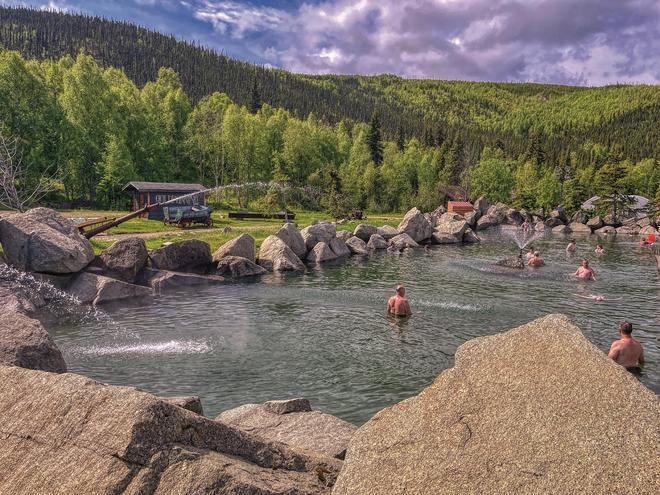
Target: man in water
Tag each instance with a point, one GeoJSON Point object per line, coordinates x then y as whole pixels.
{"type": "Point", "coordinates": [599, 249]}
{"type": "Point", "coordinates": [398, 305]}
{"type": "Point", "coordinates": [530, 253]}
{"type": "Point", "coordinates": [627, 351]}
{"type": "Point", "coordinates": [536, 260]}
{"type": "Point", "coordinates": [572, 247]}
{"type": "Point", "coordinates": [585, 272]}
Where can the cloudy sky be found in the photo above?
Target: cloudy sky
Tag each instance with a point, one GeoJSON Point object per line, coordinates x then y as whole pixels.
{"type": "Point", "coordinates": [592, 42]}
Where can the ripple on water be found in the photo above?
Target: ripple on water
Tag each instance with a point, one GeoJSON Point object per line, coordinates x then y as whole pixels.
{"type": "Point", "coordinates": [169, 347]}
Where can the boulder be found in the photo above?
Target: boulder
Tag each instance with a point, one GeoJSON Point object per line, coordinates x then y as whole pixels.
{"type": "Point", "coordinates": [42, 240]}
{"type": "Point", "coordinates": [579, 228]}
{"type": "Point", "coordinates": [160, 280]}
{"type": "Point", "coordinates": [320, 253]}
{"type": "Point", "coordinates": [497, 213]}
{"type": "Point", "coordinates": [182, 256]}
{"type": "Point", "coordinates": [560, 214]}
{"type": "Point", "coordinates": [237, 267]}
{"type": "Point", "coordinates": [470, 236]}
{"type": "Point", "coordinates": [364, 231]}
{"type": "Point", "coordinates": [242, 247]}
{"type": "Point", "coordinates": [472, 217]}
{"type": "Point", "coordinates": [357, 245]}
{"type": "Point", "coordinates": [595, 223]}
{"type": "Point", "coordinates": [607, 230]}
{"type": "Point", "coordinates": [286, 406]}
{"type": "Point", "coordinates": [443, 238]}
{"type": "Point", "coordinates": [302, 428]}
{"type": "Point", "coordinates": [318, 232]}
{"type": "Point", "coordinates": [81, 436]}
{"type": "Point", "coordinates": [485, 222]}
{"type": "Point", "coordinates": [291, 236]}
{"type": "Point", "coordinates": [611, 220]}
{"type": "Point", "coordinates": [403, 241]}
{"type": "Point", "coordinates": [189, 403]}
{"type": "Point", "coordinates": [626, 230]}
{"type": "Point", "coordinates": [482, 205]}
{"type": "Point", "coordinates": [125, 259]}
{"type": "Point", "coordinates": [561, 229]}
{"type": "Point", "coordinates": [643, 222]}
{"type": "Point", "coordinates": [526, 215]}
{"type": "Point", "coordinates": [415, 225]}
{"type": "Point", "coordinates": [274, 255]}
{"type": "Point", "coordinates": [387, 232]}
{"type": "Point", "coordinates": [25, 342]}
{"type": "Point", "coordinates": [580, 216]}
{"type": "Point", "coordinates": [98, 289]}
{"type": "Point", "coordinates": [376, 242]}
{"type": "Point", "coordinates": [338, 246]}
{"type": "Point", "coordinates": [539, 226]}
{"type": "Point", "coordinates": [344, 235]}
{"type": "Point", "coordinates": [431, 219]}
{"type": "Point", "coordinates": [557, 421]}
{"type": "Point", "coordinates": [439, 211]}
{"type": "Point", "coordinates": [455, 227]}
{"type": "Point", "coordinates": [553, 222]}
{"type": "Point", "coordinates": [514, 217]}
{"type": "Point", "coordinates": [448, 218]}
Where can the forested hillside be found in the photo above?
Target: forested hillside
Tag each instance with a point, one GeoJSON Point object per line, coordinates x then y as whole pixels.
{"type": "Point", "coordinates": [105, 102]}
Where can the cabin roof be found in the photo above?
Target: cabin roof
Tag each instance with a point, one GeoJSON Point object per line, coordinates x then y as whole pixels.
{"type": "Point", "coordinates": [465, 204]}
{"type": "Point", "coordinates": [163, 186]}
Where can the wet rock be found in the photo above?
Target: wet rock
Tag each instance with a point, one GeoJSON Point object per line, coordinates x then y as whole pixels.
{"type": "Point", "coordinates": [81, 436]}
{"type": "Point", "coordinates": [449, 218]}
{"type": "Point", "coordinates": [97, 289]}
{"type": "Point", "coordinates": [298, 427]}
{"type": "Point", "coordinates": [553, 222]}
{"type": "Point", "coordinates": [497, 213]}
{"type": "Point", "coordinates": [182, 256]}
{"type": "Point", "coordinates": [611, 220]}
{"type": "Point", "coordinates": [607, 230]}
{"type": "Point", "coordinates": [579, 228]}
{"type": "Point", "coordinates": [292, 237]}
{"type": "Point", "coordinates": [472, 218]}
{"type": "Point", "coordinates": [455, 228]}
{"type": "Point", "coordinates": [365, 232]}
{"type": "Point", "coordinates": [539, 226]}
{"type": "Point", "coordinates": [189, 403]}
{"type": "Point", "coordinates": [376, 242]}
{"type": "Point", "coordinates": [237, 267]}
{"type": "Point", "coordinates": [626, 230]}
{"type": "Point", "coordinates": [482, 205]}
{"type": "Point", "coordinates": [319, 232]}
{"type": "Point", "coordinates": [514, 217]}
{"type": "Point", "coordinates": [387, 232]}
{"type": "Point", "coordinates": [42, 240]}
{"type": "Point", "coordinates": [439, 211]}
{"type": "Point", "coordinates": [344, 235]}
{"type": "Point", "coordinates": [161, 280]}
{"type": "Point", "coordinates": [580, 217]}
{"type": "Point", "coordinates": [242, 246]}
{"type": "Point", "coordinates": [643, 222]}
{"type": "Point", "coordinates": [274, 255]}
{"type": "Point", "coordinates": [415, 225]}
{"type": "Point", "coordinates": [538, 409]}
{"type": "Point", "coordinates": [559, 214]}
{"type": "Point", "coordinates": [431, 219]}
{"type": "Point", "coordinates": [561, 229]}
{"type": "Point", "coordinates": [403, 241]}
{"type": "Point", "coordinates": [595, 223]}
{"type": "Point", "coordinates": [125, 259]}
{"type": "Point", "coordinates": [285, 406]}
{"type": "Point", "coordinates": [485, 222]}
{"type": "Point", "coordinates": [320, 253]}
{"type": "Point", "coordinates": [25, 342]}
{"type": "Point", "coordinates": [338, 246]}
{"type": "Point", "coordinates": [443, 238]}
{"type": "Point", "coordinates": [470, 236]}
{"type": "Point", "coordinates": [357, 245]}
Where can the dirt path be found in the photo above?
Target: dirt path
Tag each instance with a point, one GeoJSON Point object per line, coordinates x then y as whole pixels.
{"type": "Point", "coordinates": [176, 233]}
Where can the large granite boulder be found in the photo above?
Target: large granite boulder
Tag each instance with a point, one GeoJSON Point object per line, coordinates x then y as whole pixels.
{"type": "Point", "coordinates": [538, 409]}
{"type": "Point", "coordinates": [579, 228]}
{"type": "Point", "coordinates": [320, 253]}
{"type": "Point", "coordinates": [81, 436]}
{"type": "Point", "coordinates": [387, 232]}
{"type": "Point", "coordinates": [472, 218]}
{"type": "Point", "coordinates": [415, 225]}
{"type": "Point", "coordinates": [626, 230]}
{"type": "Point", "coordinates": [274, 255]}
{"type": "Point", "coordinates": [376, 242]}
{"type": "Point", "coordinates": [580, 216]}
{"type": "Point", "coordinates": [318, 232]}
{"type": "Point", "coordinates": [560, 214]}
{"type": "Point", "coordinates": [189, 403]}
{"type": "Point", "coordinates": [125, 259]}
{"type": "Point", "coordinates": [25, 342]}
{"type": "Point", "coordinates": [643, 222]}
{"type": "Point", "coordinates": [403, 241]}
{"type": "Point", "coordinates": [553, 222]}
{"type": "Point", "coordinates": [357, 246]}
{"type": "Point", "coordinates": [160, 280]}
{"type": "Point", "coordinates": [482, 205]}
{"type": "Point", "coordinates": [444, 238]}
{"type": "Point", "coordinates": [454, 228]}
{"type": "Point", "coordinates": [607, 230]}
{"type": "Point", "coordinates": [237, 267]}
{"type": "Point", "coordinates": [561, 229]}
{"type": "Point", "coordinates": [293, 423]}
{"type": "Point", "coordinates": [242, 246]}
{"type": "Point", "coordinates": [182, 256]}
{"type": "Point", "coordinates": [470, 237]}
{"type": "Point", "coordinates": [595, 223]}
{"type": "Point", "coordinates": [339, 247]}
{"type": "Point", "coordinates": [42, 240]}
{"type": "Point", "coordinates": [485, 222]}
{"type": "Point", "coordinates": [98, 289]}
{"type": "Point", "coordinates": [497, 213]}
{"type": "Point", "coordinates": [364, 231]}
{"type": "Point", "coordinates": [611, 220]}
{"type": "Point", "coordinates": [344, 235]}
{"type": "Point", "coordinates": [514, 217]}
{"type": "Point", "coordinates": [291, 236]}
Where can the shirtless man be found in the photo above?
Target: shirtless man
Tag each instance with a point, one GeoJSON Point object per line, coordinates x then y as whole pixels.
{"type": "Point", "coordinates": [536, 260]}
{"type": "Point", "coordinates": [572, 247]}
{"type": "Point", "coordinates": [530, 254]}
{"type": "Point", "coordinates": [627, 351]}
{"type": "Point", "coordinates": [585, 272]}
{"type": "Point", "coordinates": [398, 305]}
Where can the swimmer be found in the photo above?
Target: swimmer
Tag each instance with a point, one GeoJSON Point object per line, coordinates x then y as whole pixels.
{"type": "Point", "coordinates": [597, 297]}
{"type": "Point", "coordinates": [536, 260]}
{"type": "Point", "coordinates": [572, 247]}
{"type": "Point", "coordinates": [600, 250]}
{"type": "Point", "coordinates": [397, 305]}
{"type": "Point", "coordinates": [627, 351]}
{"type": "Point", "coordinates": [585, 272]}
{"type": "Point", "coordinates": [530, 253]}
{"type": "Point", "coordinates": [526, 227]}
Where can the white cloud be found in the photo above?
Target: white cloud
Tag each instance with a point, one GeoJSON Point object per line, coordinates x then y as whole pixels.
{"type": "Point", "coordinates": [236, 18]}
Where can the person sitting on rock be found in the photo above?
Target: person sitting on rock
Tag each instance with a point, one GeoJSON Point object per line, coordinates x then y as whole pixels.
{"type": "Point", "coordinates": [627, 351]}
{"type": "Point", "coordinates": [536, 260]}
{"type": "Point", "coordinates": [584, 271]}
{"type": "Point", "coordinates": [600, 250]}
{"type": "Point", "coordinates": [397, 305]}
{"type": "Point", "coordinates": [530, 253]}
{"type": "Point", "coordinates": [572, 247]}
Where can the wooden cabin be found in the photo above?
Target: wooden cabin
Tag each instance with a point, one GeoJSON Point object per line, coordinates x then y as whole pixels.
{"type": "Point", "coordinates": [459, 207]}
{"type": "Point", "coordinates": [148, 193]}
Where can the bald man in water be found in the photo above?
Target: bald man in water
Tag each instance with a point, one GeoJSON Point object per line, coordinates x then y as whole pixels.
{"type": "Point", "coordinates": [397, 305]}
{"type": "Point", "coordinates": [627, 351]}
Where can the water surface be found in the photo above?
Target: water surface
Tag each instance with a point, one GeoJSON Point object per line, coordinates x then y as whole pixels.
{"type": "Point", "coordinates": [324, 335]}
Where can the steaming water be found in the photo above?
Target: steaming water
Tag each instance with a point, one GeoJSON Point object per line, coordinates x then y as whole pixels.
{"type": "Point", "coordinates": [324, 335]}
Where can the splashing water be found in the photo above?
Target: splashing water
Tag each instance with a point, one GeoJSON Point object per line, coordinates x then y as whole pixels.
{"type": "Point", "coordinates": [524, 238]}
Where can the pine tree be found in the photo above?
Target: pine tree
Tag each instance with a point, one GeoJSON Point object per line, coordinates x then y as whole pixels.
{"type": "Point", "coordinates": [255, 98]}
{"type": "Point", "coordinates": [374, 140]}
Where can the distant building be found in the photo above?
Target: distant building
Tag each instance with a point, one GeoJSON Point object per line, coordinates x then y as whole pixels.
{"type": "Point", "coordinates": [148, 193]}
{"type": "Point", "coordinates": [459, 207]}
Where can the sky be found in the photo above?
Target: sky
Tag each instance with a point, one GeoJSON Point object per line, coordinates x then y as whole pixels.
{"type": "Point", "coordinates": [583, 42]}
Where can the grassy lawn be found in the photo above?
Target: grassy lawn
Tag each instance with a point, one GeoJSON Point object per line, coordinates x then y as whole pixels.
{"type": "Point", "coordinates": [259, 229]}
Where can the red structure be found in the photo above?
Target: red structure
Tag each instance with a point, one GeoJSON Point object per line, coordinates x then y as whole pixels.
{"type": "Point", "coordinates": [460, 207]}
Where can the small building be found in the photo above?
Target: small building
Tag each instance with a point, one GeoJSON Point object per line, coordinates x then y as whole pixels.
{"type": "Point", "coordinates": [148, 193]}
{"type": "Point", "coordinates": [459, 207]}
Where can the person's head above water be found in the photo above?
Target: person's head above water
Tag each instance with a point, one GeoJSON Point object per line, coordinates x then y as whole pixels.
{"type": "Point", "coordinates": [572, 241]}
{"type": "Point", "coordinates": [585, 262]}
{"type": "Point", "coordinates": [537, 254]}
{"type": "Point", "coordinates": [531, 249]}
{"type": "Point", "coordinates": [625, 328]}
{"type": "Point", "coordinates": [401, 290]}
